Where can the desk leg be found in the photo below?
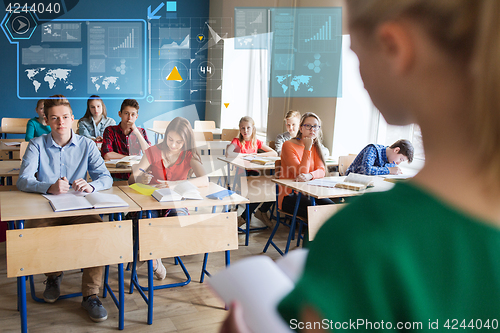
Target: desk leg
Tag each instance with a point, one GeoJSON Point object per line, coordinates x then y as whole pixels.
{"type": "Point", "coordinates": [106, 276]}
{"type": "Point", "coordinates": [228, 258]}
{"type": "Point", "coordinates": [294, 221]}
{"type": "Point", "coordinates": [121, 297]}
{"type": "Point", "coordinates": [150, 292]}
{"type": "Point", "coordinates": [21, 282]}
{"type": "Point", "coordinates": [133, 274]}
{"type": "Point", "coordinates": [228, 176]}
{"type": "Point", "coordinates": [204, 268]}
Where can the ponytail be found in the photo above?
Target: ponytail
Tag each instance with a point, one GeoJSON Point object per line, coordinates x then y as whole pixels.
{"type": "Point", "coordinates": [485, 68]}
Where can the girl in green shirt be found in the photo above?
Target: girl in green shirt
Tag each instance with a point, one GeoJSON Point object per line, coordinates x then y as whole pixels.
{"type": "Point", "coordinates": [423, 256]}
{"type": "Point", "coordinates": [37, 126]}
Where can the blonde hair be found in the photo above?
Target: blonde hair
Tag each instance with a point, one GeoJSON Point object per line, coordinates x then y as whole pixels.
{"type": "Point", "coordinates": [469, 31]}
{"type": "Point", "coordinates": [291, 114]}
{"type": "Point", "coordinates": [253, 138]}
{"type": "Point", "coordinates": [319, 135]}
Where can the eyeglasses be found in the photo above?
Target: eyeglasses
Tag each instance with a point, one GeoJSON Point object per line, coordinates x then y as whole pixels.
{"type": "Point", "coordinates": [311, 127]}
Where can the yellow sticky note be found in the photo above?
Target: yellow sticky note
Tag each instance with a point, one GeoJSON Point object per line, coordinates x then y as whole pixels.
{"type": "Point", "coordinates": [143, 189]}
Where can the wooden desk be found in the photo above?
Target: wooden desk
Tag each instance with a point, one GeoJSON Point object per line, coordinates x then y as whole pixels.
{"type": "Point", "coordinates": [150, 203]}
{"type": "Point", "coordinates": [318, 192]}
{"type": "Point", "coordinates": [18, 205]}
{"type": "Point", "coordinates": [9, 168]}
{"type": "Point", "coordinates": [26, 206]}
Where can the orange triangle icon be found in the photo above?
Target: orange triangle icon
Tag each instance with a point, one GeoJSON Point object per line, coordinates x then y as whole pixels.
{"type": "Point", "coordinates": [226, 105]}
{"type": "Point", "coordinates": [174, 75]}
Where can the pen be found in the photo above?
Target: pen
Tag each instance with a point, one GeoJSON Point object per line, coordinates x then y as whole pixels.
{"type": "Point", "coordinates": [141, 169]}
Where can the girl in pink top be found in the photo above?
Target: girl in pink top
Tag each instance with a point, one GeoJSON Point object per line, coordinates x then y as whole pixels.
{"type": "Point", "coordinates": [169, 163]}
{"type": "Point", "coordinates": [248, 144]}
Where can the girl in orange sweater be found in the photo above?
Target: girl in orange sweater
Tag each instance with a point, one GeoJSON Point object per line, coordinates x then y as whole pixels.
{"type": "Point", "coordinates": [301, 159]}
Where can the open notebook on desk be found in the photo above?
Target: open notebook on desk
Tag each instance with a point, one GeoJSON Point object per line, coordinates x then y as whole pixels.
{"type": "Point", "coordinates": [73, 200]}
{"type": "Point", "coordinates": [123, 162]}
{"type": "Point", "coordinates": [181, 191]}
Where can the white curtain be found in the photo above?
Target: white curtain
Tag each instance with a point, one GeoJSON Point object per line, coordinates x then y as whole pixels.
{"type": "Point", "coordinates": [245, 85]}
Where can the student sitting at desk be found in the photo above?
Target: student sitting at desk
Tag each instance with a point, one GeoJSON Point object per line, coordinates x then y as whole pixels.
{"type": "Point", "coordinates": [292, 120]}
{"type": "Point", "coordinates": [37, 126]}
{"type": "Point", "coordinates": [248, 144]}
{"type": "Point", "coordinates": [117, 140]}
{"type": "Point", "coordinates": [382, 160]}
{"type": "Point", "coordinates": [168, 163]}
{"type": "Point", "coordinates": [75, 156]}
{"type": "Point", "coordinates": [301, 159]}
{"type": "Point", "coordinates": [95, 120]}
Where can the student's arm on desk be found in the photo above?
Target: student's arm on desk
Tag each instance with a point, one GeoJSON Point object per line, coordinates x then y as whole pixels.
{"type": "Point", "coordinates": [27, 181]}
{"type": "Point", "coordinates": [268, 151]}
{"type": "Point", "coordinates": [101, 178]}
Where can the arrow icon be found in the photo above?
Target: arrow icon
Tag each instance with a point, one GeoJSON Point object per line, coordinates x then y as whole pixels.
{"type": "Point", "coordinates": [151, 15]}
{"type": "Point", "coordinates": [21, 25]}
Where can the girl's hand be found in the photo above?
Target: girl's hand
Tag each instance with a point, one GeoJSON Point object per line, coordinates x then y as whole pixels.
{"type": "Point", "coordinates": [145, 178]}
{"type": "Point", "coordinates": [304, 177]}
{"type": "Point", "coordinates": [308, 142]}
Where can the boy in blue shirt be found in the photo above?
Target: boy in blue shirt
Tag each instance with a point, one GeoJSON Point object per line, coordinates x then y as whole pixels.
{"type": "Point", "coordinates": [382, 160]}
{"type": "Point", "coordinates": [53, 163]}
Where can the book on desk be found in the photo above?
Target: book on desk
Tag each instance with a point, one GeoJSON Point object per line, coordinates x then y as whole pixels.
{"type": "Point", "coordinates": [124, 162]}
{"type": "Point", "coordinates": [182, 191]}
{"type": "Point", "coordinates": [73, 200]}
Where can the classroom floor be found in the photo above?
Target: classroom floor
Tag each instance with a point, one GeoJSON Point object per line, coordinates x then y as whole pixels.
{"type": "Point", "coordinates": [192, 308]}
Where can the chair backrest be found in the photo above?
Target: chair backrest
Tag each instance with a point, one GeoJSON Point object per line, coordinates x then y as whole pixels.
{"type": "Point", "coordinates": [318, 215]}
{"type": "Point", "coordinates": [272, 144]}
{"type": "Point", "coordinates": [74, 126]}
{"type": "Point", "coordinates": [229, 134]}
{"type": "Point", "coordinates": [22, 149]}
{"type": "Point", "coordinates": [203, 136]}
{"type": "Point", "coordinates": [277, 168]}
{"type": "Point", "coordinates": [29, 254]}
{"type": "Point", "coordinates": [160, 124]}
{"type": "Point", "coordinates": [200, 125]}
{"type": "Point", "coordinates": [186, 235]}
{"type": "Point", "coordinates": [258, 188]}
{"type": "Point", "coordinates": [14, 122]}
{"type": "Point", "coordinates": [344, 163]}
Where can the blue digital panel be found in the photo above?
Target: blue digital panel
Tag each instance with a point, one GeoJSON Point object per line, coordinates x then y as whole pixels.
{"type": "Point", "coordinates": [78, 58]}
{"type": "Point", "coordinates": [306, 52]}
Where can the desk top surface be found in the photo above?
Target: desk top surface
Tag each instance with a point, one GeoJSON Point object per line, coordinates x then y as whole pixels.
{"type": "Point", "coordinates": [248, 165]}
{"type": "Point", "coordinates": [9, 168]}
{"type": "Point", "coordinates": [4, 147]}
{"type": "Point", "coordinates": [17, 205]}
{"type": "Point", "coordinates": [147, 202]}
{"type": "Point", "coordinates": [320, 192]}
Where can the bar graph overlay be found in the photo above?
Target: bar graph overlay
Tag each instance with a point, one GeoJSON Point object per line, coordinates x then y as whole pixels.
{"type": "Point", "coordinates": [123, 42]}
{"type": "Point", "coordinates": [317, 33]}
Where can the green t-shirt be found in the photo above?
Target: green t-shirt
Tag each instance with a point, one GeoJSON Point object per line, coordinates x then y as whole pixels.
{"type": "Point", "coordinates": [401, 256]}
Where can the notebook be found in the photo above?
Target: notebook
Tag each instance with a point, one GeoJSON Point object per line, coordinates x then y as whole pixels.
{"type": "Point", "coordinates": [356, 182]}
{"type": "Point", "coordinates": [73, 200]}
{"type": "Point", "coordinates": [181, 191]}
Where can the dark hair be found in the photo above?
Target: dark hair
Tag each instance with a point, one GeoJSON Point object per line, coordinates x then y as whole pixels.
{"type": "Point", "coordinates": [55, 100]}
{"type": "Point", "coordinates": [405, 148]}
{"type": "Point", "coordinates": [319, 136]}
{"type": "Point", "coordinates": [182, 127]}
{"type": "Point", "coordinates": [88, 114]}
{"type": "Point", "coordinates": [130, 102]}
